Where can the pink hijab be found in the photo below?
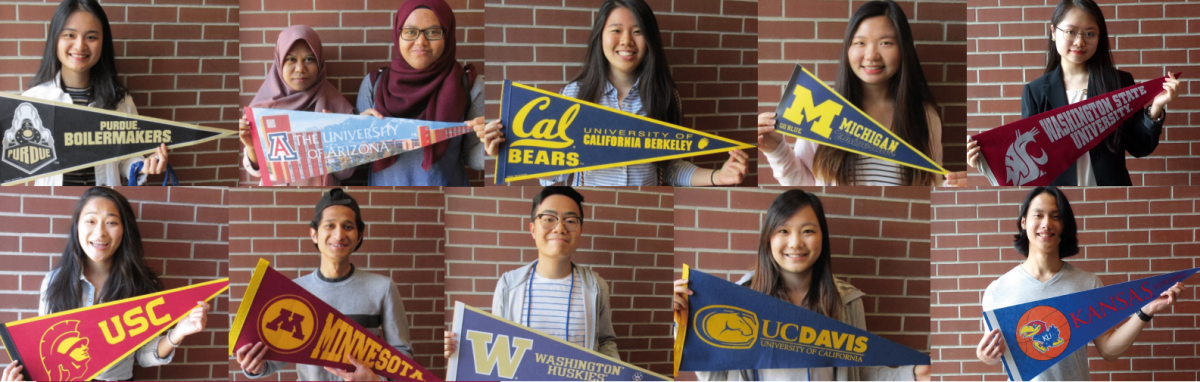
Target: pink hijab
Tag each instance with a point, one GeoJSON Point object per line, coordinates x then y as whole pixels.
{"type": "Point", "coordinates": [275, 94]}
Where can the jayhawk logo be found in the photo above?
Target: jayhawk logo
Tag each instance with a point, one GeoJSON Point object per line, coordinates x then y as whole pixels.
{"type": "Point", "coordinates": [1043, 333]}
{"type": "Point", "coordinates": [1044, 336]}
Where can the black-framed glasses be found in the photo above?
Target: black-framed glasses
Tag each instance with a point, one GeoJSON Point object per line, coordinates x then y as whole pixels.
{"type": "Point", "coordinates": [548, 221]}
{"type": "Point", "coordinates": [431, 34]}
{"type": "Point", "coordinates": [1071, 34]}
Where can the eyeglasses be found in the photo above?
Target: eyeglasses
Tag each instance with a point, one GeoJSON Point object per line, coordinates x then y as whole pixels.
{"type": "Point", "coordinates": [431, 34]}
{"type": "Point", "coordinates": [1071, 34]}
{"type": "Point", "coordinates": [548, 221]}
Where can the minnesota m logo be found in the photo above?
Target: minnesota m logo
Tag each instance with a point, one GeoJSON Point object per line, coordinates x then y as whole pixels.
{"type": "Point", "coordinates": [288, 322]}
{"type": "Point", "coordinates": [802, 109]}
{"type": "Point", "coordinates": [499, 356]}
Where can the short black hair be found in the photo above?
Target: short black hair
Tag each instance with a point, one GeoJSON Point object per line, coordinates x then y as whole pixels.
{"type": "Point", "coordinates": [556, 190]}
{"type": "Point", "coordinates": [1069, 245]}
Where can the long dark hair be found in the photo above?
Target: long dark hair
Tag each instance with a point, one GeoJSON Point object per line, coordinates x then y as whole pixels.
{"type": "Point", "coordinates": [822, 296]}
{"type": "Point", "coordinates": [1102, 74]}
{"type": "Point", "coordinates": [907, 87]}
{"type": "Point", "coordinates": [129, 275]}
{"type": "Point", "coordinates": [655, 85]}
{"type": "Point", "coordinates": [1069, 244]}
{"type": "Point", "coordinates": [107, 90]}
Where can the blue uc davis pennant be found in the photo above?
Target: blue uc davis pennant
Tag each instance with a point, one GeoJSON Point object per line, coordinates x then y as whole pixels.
{"type": "Point", "coordinates": [491, 348]}
{"type": "Point", "coordinates": [1038, 334]}
{"type": "Point", "coordinates": [811, 110]}
{"type": "Point", "coordinates": [547, 134]}
{"type": "Point", "coordinates": [731, 327]}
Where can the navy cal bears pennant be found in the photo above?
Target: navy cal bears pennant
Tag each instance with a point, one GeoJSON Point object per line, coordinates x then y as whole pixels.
{"type": "Point", "coordinates": [1038, 334]}
{"type": "Point", "coordinates": [811, 110]}
{"type": "Point", "coordinates": [548, 134]}
{"type": "Point", "coordinates": [45, 138]}
{"type": "Point", "coordinates": [491, 348]}
{"type": "Point", "coordinates": [731, 327]}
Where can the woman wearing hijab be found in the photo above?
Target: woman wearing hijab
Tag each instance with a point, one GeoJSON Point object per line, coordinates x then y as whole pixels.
{"type": "Point", "coordinates": [426, 82]}
{"type": "Point", "coordinates": [296, 82]}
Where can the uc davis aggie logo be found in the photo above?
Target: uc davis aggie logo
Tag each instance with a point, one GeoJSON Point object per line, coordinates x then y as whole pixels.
{"type": "Point", "coordinates": [64, 352]}
{"type": "Point", "coordinates": [727, 327]}
{"type": "Point", "coordinates": [1043, 333]}
{"type": "Point", "coordinates": [28, 144]}
{"type": "Point", "coordinates": [287, 323]}
{"type": "Point", "coordinates": [499, 356]}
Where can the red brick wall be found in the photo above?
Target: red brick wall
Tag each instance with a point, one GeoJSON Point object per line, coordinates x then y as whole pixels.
{"type": "Point", "coordinates": [403, 240]}
{"type": "Point", "coordinates": [1124, 234]}
{"type": "Point", "coordinates": [185, 233]}
{"type": "Point", "coordinates": [627, 239]}
{"type": "Point", "coordinates": [176, 57]}
{"type": "Point", "coordinates": [357, 38]}
{"type": "Point", "coordinates": [810, 33]}
{"type": "Point", "coordinates": [1007, 49]}
{"type": "Point", "coordinates": [710, 45]}
{"type": "Point", "coordinates": [879, 237]}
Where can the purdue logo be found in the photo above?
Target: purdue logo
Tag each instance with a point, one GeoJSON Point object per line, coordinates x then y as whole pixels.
{"type": "Point", "coordinates": [287, 323]}
{"type": "Point", "coordinates": [64, 352]}
{"type": "Point", "coordinates": [499, 356]}
{"type": "Point", "coordinates": [727, 327]}
{"type": "Point", "coordinates": [28, 145]}
{"type": "Point", "coordinates": [802, 109]}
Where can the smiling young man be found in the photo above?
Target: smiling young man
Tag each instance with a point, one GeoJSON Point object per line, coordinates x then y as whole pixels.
{"type": "Point", "coordinates": [554, 295]}
{"type": "Point", "coordinates": [369, 299]}
{"type": "Point", "coordinates": [1046, 235]}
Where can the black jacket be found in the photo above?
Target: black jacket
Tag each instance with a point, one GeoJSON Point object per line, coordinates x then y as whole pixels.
{"type": "Point", "coordinates": [1139, 133]}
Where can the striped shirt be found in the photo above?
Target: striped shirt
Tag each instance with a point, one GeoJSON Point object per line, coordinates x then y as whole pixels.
{"type": "Point", "coordinates": [549, 304]}
{"type": "Point", "coordinates": [878, 172]}
{"type": "Point", "coordinates": [675, 172]}
{"type": "Point", "coordinates": [83, 176]}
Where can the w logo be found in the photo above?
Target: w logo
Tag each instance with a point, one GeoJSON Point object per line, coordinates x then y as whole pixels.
{"type": "Point", "coordinates": [499, 355]}
{"type": "Point", "coordinates": [280, 148]}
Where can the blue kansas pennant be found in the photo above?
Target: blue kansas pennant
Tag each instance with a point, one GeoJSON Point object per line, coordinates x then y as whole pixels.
{"type": "Point", "coordinates": [811, 110]}
{"type": "Point", "coordinates": [1038, 334]}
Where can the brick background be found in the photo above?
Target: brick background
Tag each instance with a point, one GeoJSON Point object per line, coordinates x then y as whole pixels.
{"type": "Point", "coordinates": [1124, 234]}
{"type": "Point", "coordinates": [175, 56]}
{"type": "Point", "coordinates": [879, 238]}
{"type": "Point", "coordinates": [185, 233]}
{"type": "Point", "coordinates": [403, 240]}
{"type": "Point", "coordinates": [810, 32]}
{"type": "Point", "coordinates": [710, 45]}
{"type": "Point", "coordinates": [357, 38]}
{"type": "Point", "coordinates": [627, 239]}
{"type": "Point", "coordinates": [1007, 49]}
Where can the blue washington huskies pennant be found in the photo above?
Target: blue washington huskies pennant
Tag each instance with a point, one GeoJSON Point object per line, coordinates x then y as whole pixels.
{"type": "Point", "coordinates": [731, 327]}
{"type": "Point", "coordinates": [1038, 334]}
{"type": "Point", "coordinates": [811, 110]}
{"type": "Point", "coordinates": [548, 134]}
{"type": "Point", "coordinates": [491, 348]}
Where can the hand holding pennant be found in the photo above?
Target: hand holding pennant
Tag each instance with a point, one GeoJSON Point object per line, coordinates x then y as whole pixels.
{"type": "Point", "coordinates": [548, 134]}
{"type": "Point", "coordinates": [812, 111]}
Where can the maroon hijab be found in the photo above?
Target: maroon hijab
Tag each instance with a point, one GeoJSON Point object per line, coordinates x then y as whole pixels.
{"type": "Point", "coordinates": [435, 93]}
{"type": "Point", "coordinates": [276, 94]}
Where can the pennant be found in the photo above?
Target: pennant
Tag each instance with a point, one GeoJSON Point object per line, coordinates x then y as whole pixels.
{"type": "Point", "coordinates": [44, 138]}
{"type": "Point", "coordinates": [299, 328]}
{"type": "Point", "coordinates": [295, 145]}
{"type": "Point", "coordinates": [1020, 153]}
{"type": "Point", "coordinates": [79, 344]}
{"type": "Point", "coordinates": [812, 111]}
{"type": "Point", "coordinates": [1038, 334]}
{"type": "Point", "coordinates": [731, 327]}
{"type": "Point", "coordinates": [491, 348]}
{"type": "Point", "coordinates": [549, 134]}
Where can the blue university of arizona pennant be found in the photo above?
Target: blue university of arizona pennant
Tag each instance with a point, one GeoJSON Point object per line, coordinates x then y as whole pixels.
{"type": "Point", "coordinates": [811, 110]}
{"type": "Point", "coordinates": [1038, 334]}
{"type": "Point", "coordinates": [491, 348]}
{"type": "Point", "coordinates": [731, 327]}
{"type": "Point", "coordinates": [548, 134]}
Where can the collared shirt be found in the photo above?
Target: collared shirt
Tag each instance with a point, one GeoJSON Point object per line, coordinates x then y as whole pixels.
{"type": "Point", "coordinates": [147, 355]}
{"type": "Point", "coordinates": [675, 172]}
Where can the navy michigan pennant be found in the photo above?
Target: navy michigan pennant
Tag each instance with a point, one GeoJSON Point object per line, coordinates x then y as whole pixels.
{"type": "Point", "coordinates": [811, 110]}
{"type": "Point", "coordinates": [547, 134]}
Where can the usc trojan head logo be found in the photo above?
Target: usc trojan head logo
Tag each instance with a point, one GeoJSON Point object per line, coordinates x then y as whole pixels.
{"type": "Point", "coordinates": [1043, 333]}
{"type": "Point", "coordinates": [28, 145]}
{"type": "Point", "coordinates": [727, 327]}
{"type": "Point", "coordinates": [287, 323]}
{"type": "Point", "coordinates": [64, 352]}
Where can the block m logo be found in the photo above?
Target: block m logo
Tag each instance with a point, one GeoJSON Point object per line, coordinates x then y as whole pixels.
{"type": "Point", "coordinates": [499, 355]}
{"type": "Point", "coordinates": [803, 110]}
{"type": "Point", "coordinates": [288, 322]}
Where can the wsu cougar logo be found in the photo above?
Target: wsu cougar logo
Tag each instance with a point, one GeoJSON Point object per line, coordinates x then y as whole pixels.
{"type": "Point", "coordinates": [727, 327]}
{"type": "Point", "coordinates": [64, 352]}
{"type": "Point", "coordinates": [1023, 168]}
